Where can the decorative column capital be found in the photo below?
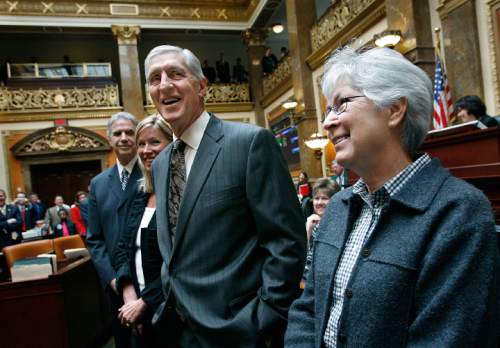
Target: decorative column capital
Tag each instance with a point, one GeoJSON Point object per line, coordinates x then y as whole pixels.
{"type": "Point", "coordinates": [126, 34]}
{"type": "Point", "coordinates": [254, 37]}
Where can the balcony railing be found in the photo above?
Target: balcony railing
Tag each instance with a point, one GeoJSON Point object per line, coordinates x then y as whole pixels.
{"type": "Point", "coordinates": [58, 70]}
{"type": "Point", "coordinates": [280, 74]}
{"type": "Point", "coordinates": [58, 98]}
{"type": "Point", "coordinates": [221, 93]}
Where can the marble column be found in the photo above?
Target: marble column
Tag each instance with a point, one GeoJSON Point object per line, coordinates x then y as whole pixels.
{"type": "Point", "coordinates": [254, 39]}
{"type": "Point", "coordinates": [301, 15]}
{"type": "Point", "coordinates": [130, 75]}
{"type": "Point", "coordinates": [461, 47]}
{"type": "Point", "coordinates": [413, 19]}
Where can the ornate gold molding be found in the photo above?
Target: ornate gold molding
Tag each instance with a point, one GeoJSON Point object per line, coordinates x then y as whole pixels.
{"type": "Point", "coordinates": [126, 34]}
{"type": "Point", "coordinates": [494, 47]}
{"type": "Point", "coordinates": [445, 7]}
{"type": "Point", "coordinates": [60, 139]}
{"type": "Point", "coordinates": [281, 73]}
{"type": "Point", "coordinates": [12, 100]}
{"type": "Point", "coordinates": [228, 93]}
{"type": "Point", "coordinates": [221, 11]}
{"type": "Point", "coordinates": [254, 37]}
{"type": "Point", "coordinates": [326, 35]}
{"type": "Point", "coordinates": [51, 115]}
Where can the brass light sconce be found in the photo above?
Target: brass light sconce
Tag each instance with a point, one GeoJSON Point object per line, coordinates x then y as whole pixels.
{"type": "Point", "coordinates": [388, 38]}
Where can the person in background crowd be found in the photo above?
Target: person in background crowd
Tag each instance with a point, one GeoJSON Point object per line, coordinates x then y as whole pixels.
{"type": "Point", "coordinates": [138, 257]}
{"type": "Point", "coordinates": [75, 213]}
{"type": "Point", "coordinates": [283, 53]}
{"type": "Point", "coordinates": [407, 256]}
{"type": "Point", "coordinates": [209, 71]}
{"type": "Point", "coordinates": [322, 192]}
{"type": "Point", "coordinates": [269, 62]}
{"type": "Point", "coordinates": [26, 211]}
{"type": "Point", "coordinates": [339, 175]}
{"type": "Point", "coordinates": [52, 216]}
{"type": "Point", "coordinates": [65, 227]}
{"type": "Point", "coordinates": [229, 225]}
{"type": "Point", "coordinates": [38, 207]}
{"type": "Point", "coordinates": [223, 70]}
{"type": "Point", "coordinates": [239, 72]}
{"type": "Point", "coordinates": [472, 108]}
{"type": "Point", "coordinates": [111, 194]}
{"type": "Point", "coordinates": [10, 222]}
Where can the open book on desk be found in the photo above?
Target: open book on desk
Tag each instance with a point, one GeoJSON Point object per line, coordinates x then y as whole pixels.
{"type": "Point", "coordinates": [33, 267]}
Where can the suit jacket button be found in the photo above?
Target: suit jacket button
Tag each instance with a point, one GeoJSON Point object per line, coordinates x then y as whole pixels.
{"type": "Point", "coordinates": [348, 293]}
{"type": "Point", "coordinates": [365, 252]}
{"type": "Point", "coordinates": [342, 338]}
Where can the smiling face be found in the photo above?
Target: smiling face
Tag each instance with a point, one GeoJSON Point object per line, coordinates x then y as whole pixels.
{"type": "Point", "coordinates": [320, 201]}
{"type": "Point", "coordinates": [360, 133]}
{"type": "Point", "coordinates": [176, 93]}
{"type": "Point", "coordinates": [150, 142]}
{"type": "Point", "coordinates": [122, 140]}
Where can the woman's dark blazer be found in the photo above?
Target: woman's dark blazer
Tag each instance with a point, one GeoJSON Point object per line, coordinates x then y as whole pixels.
{"type": "Point", "coordinates": [151, 257]}
{"type": "Point", "coordinates": [58, 231]}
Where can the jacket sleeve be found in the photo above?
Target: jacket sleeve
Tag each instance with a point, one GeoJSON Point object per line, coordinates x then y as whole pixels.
{"type": "Point", "coordinates": [123, 248]}
{"type": "Point", "coordinates": [152, 294]}
{"type": "Point", "coordinates": [77, 219]}
{"type": "Point", "coordinates": [300, 330]}
{"type": "Point", "coordinates": [280, 227]}
{"type": "Point", "coordinates": [96, 244]}
{"type": "Point", "coordinates": [457, 288]}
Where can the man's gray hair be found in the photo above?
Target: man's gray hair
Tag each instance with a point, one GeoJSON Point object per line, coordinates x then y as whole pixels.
{"type": "Point", "coordinates": [121, 116]}
{"type": "Point", "coordinates": [384, 76]}
{"type": "Point", "coordinates": [192, 62]}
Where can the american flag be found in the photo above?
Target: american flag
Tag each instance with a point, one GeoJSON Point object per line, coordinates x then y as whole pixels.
{"type": "Point", "coordinates": [443, 106]}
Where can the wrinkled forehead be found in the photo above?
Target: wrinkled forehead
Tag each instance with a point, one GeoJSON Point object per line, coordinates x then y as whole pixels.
{"type": "Point", "coordinates": [168, 60]}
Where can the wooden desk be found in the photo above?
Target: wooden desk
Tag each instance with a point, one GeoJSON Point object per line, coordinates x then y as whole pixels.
{"type": "Point", "coordinates": [65, 310]}
{"type": "Point", "coordinates": [472, 155]}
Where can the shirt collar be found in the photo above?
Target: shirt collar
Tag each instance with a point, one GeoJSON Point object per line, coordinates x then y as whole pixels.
{"type": "Point", "coordinates": [193, 135]}
{"type": "Point", "coordinates": [391, 186]}
{"type": "Point", "coordinates": [129, 166]}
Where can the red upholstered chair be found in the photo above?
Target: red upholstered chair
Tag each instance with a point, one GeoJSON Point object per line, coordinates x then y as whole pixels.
{"type": "Point", "coordinates": [25, 250]}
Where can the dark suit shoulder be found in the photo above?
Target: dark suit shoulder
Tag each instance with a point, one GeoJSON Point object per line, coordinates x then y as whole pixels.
{"type": "Point", "coordinates": [103, 174]}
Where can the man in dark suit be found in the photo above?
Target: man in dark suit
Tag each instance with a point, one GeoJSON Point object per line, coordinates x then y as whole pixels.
{"type": "Point", "coordinates": [38, 207]}
{"type": "Point", "coordinates": [111, 194]}
{"type": "Point", "coordinates": [10, 222]}
{"type": "Point", "coordinates": [230, 228]}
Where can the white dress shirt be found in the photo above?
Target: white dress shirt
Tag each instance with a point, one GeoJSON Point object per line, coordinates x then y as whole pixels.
{"type": "Point", "coordinates": [192, 137]}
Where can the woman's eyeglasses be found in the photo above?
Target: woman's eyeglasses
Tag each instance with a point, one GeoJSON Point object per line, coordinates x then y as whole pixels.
{"type": "Point", "coordinates": [340, 108]}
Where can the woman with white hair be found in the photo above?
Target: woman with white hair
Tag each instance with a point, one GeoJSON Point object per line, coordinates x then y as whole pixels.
{"type": "Point", "coordinates": [406, 257]}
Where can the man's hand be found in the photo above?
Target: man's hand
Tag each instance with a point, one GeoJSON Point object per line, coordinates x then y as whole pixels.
{"type": "Point", "coordinates": [130, 313]}
{"type": "Point", "coordinates": [312, 221]}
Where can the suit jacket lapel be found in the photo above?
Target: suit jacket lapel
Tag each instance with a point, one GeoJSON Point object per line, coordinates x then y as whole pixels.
{"type": "Point", "coordinates": [114, 182]}
{"type": "Point", "coordinates": [202, 165]}
{"type": "Point", "coordinates": [161, 181]}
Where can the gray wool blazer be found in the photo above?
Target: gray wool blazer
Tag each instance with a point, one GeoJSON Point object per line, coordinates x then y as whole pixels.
{"type": "Point", "coordinates": [428, 275]}
{"type": "Point", "coordinates": [236, 263]}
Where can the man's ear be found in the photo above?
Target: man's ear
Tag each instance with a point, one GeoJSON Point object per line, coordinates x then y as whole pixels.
{"type": "Point", "coordinates": [397, 113]}
{"type": "Point", "coordinates": [203, 87]}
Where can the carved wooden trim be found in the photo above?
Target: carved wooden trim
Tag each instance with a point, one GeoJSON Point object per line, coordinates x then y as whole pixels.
{"type": "Point", "coordinates": [368, 17]}
{"type": "Point", "coordinates": [61, 139]}
{"type": "Point", "coordinates": [126, 34]}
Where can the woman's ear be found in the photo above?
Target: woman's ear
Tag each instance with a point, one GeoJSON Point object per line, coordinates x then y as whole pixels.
{"type": "Point", "coordinates": [397, 113]}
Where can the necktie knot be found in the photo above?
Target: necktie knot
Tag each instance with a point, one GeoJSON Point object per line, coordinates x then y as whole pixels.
{"type": "Point", "coordinates": [124, 178]}
{"type": "Point", "coordinates": [179, 145]}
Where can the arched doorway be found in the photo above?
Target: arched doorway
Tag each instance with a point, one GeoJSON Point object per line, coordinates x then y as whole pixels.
{"type": "Point", "coordinates": [61, 161]}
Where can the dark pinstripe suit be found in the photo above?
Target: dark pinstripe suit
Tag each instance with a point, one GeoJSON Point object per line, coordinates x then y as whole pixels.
{"type": "Point", "coordinates": [239, 251]}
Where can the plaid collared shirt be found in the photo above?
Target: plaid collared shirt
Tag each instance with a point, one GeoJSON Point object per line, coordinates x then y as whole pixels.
{"type": "Point", "coordinates": [361, 231]}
